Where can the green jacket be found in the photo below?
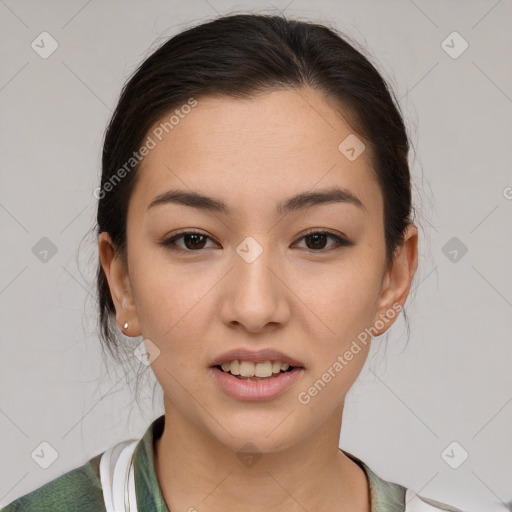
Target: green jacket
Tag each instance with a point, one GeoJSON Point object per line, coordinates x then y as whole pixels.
{"type": "Point", "coordinates": [80, 490]}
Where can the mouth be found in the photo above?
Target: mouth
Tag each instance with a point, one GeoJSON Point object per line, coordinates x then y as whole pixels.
{"type": "Point", "coordinates": [247, 370]}
{"type": "Point", "coordinates": [256, 382]}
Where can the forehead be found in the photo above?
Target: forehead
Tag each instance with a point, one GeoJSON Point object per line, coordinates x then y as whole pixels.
{"type": "Point", "coordinates": [254, 152]}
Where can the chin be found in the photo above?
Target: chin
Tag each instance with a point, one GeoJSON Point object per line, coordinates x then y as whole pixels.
{"type": "Point", "coordinates": [263, 434]}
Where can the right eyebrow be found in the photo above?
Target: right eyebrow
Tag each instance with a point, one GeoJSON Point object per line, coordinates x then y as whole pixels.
{"type": "Point", "coordinates": [193, 199]}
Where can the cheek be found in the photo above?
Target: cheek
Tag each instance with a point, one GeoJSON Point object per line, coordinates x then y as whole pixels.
{"type": "Point", "coordinates": [341, 300]}
{"type": "Point", "coordinates": [176, 313]}
{"type": "Point", "coordinates": [167, 295]}
{"type": "Point", "coordinates": [344, 305]}
{"type": "Point", "coordinates": [169, 305]}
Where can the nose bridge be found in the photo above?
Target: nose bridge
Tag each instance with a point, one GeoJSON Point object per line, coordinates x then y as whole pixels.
{"type": "Point", "coordinates": [254, 296]}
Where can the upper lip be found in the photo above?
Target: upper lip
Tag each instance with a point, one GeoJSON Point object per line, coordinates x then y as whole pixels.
{"type": "Point", "coordinates": [255, 356]}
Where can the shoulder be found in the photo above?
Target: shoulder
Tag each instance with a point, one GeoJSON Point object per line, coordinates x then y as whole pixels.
{"type": "Point", "coordinates": [78, 490]}
{"type": "Point", "coordinates": [392, 497]}
{"type": "Point", "coordinates": [415, 503]}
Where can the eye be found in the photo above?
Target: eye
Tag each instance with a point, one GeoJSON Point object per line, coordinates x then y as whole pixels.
{"type": "Point", "coordinates": [317, 241]}
{"type": "Point", "coordinates": [193, 241]}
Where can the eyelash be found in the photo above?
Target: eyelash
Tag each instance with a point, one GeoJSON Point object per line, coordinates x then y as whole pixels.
{"type": "Point", "coordinates": [340, 241]}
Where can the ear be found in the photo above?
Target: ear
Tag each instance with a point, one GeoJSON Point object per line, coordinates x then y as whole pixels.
{"type": "Point", "coordinates": [120, 287]}
{"type": "Point", "coordinates": [397, 281]}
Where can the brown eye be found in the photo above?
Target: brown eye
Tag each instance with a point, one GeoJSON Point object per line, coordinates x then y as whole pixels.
{"type": "Point", "coordinates": [192, 241]}
{"type": "Point", "coordinates": [316, 241]}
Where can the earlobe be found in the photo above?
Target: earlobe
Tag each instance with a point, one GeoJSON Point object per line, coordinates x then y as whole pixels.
{"type": "Point", "coordinates": [120, 288]}
{"type": "Point", "coordinates": [397, 281]}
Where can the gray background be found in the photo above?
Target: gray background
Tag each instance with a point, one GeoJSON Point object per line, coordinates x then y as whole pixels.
{"type": "Point", "coordinates": [450, 382]}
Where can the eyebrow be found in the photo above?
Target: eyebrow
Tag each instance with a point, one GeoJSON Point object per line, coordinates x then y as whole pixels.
{"type": "Point", "coordinates": [294, 203]}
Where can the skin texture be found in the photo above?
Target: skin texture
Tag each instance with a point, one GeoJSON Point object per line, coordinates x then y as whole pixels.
{"type": "Point", "coordinates": [309, 301]}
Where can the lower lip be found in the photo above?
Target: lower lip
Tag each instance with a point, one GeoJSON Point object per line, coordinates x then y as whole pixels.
{"type": "Point", "coordinates": [256, 390]}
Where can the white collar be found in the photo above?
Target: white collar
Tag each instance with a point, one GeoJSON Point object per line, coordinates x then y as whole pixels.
{"type": "Point", "coordinates": [118, 477]}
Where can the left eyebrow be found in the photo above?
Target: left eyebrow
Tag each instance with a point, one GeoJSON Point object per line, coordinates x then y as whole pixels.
{"type": "Point", "coordinates": [326, 196]}
{"type": "Point", "coordinates": [297, 202]}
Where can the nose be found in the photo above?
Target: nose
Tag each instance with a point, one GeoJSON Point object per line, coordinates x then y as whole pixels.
{"type": "Point", "coordinates": [255, 294]}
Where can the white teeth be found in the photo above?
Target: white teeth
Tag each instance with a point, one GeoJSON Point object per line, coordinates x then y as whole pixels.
{"type": "Point", "coordinates": [246, 369]}
{"type": "Point", "coordinates": [263, 369]}
{"type": "Point", "coordinates": [250, 369]}
{"type": "Point", "coordinates": [234, 367]}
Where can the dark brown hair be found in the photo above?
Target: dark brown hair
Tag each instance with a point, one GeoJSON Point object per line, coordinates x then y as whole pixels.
{"type": "Point", "coordinates": [240, 56]}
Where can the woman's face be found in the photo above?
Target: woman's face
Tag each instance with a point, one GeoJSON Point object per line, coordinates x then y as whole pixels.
{"type": "Point", "coordinates": [257, 277]}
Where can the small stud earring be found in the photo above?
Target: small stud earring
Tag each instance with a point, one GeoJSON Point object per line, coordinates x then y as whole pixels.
{"type": "Point", "coordinates": [125, 325]}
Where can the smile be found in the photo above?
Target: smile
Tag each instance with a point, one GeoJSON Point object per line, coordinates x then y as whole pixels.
{"type": "Point", "coordinates": [248, 369]}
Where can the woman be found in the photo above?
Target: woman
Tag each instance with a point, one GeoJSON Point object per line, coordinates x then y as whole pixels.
{"type": "Point", "coordinates": [254, 228]}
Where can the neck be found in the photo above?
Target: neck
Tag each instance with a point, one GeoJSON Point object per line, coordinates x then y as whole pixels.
{"type": "Point", "coordinates": [196, 471]}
